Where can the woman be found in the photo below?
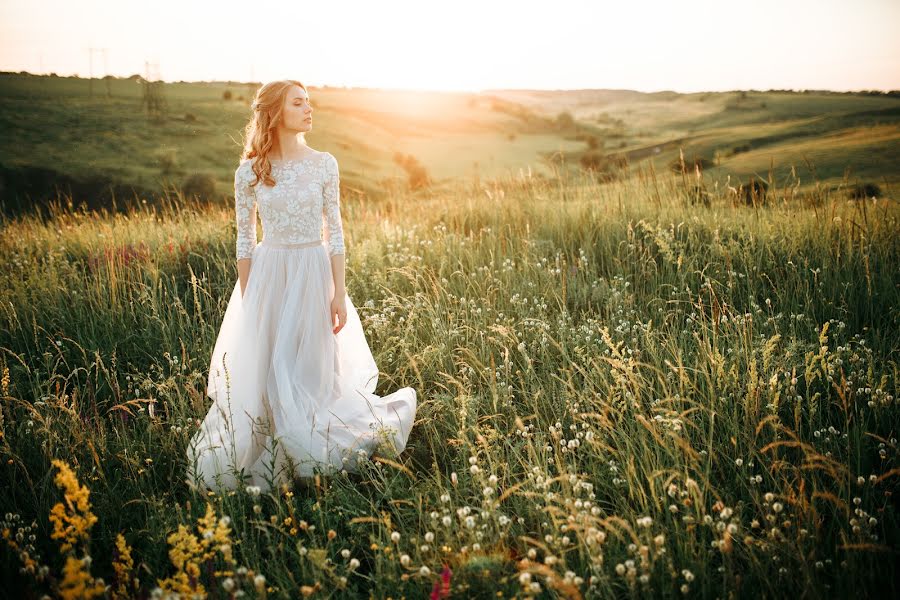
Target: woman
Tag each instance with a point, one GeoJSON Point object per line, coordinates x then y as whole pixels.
{"type": "Point", "coordinates": [291, 375]}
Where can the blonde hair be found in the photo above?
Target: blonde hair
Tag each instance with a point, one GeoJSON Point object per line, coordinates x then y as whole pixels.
{"type": "Point", "coordinates": [259, 133]}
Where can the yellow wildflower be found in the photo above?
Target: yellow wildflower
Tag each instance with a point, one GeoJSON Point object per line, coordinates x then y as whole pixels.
{"type": "Point", "coordinates": [72, 520]}
{"type": "Point", "coordinates": [188, 552]}
{"type": "Point", "coordinates": [122, 565]}
{"type": "Point", "coordinates": [78, 583]}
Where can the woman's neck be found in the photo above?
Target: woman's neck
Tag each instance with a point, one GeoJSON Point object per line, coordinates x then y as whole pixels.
{"type": "Point", "coordinates": [290, 145]}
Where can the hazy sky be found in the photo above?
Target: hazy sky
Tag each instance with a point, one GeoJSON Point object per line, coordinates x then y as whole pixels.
{"type": "Point", "coordinates": [468, 45]}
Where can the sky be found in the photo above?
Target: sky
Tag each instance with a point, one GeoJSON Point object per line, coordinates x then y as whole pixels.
{"type": "Point", "coordinates": [467, 45]}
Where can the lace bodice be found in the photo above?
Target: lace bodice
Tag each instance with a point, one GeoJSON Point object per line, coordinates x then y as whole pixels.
{"type": "Point", "coordinates": [292, 211]}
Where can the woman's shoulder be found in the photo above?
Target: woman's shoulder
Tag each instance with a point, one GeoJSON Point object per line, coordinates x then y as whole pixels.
{"type": "Point", "coordinates": [329, 160]}
{"type": "Point", "coordinates": [244, 166]}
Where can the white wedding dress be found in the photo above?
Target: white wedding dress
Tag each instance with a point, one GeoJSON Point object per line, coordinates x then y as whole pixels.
{"type": "Point", "coordinates": [277, 371]}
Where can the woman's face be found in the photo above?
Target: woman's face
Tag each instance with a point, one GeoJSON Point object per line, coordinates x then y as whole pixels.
{"type": "Point", "coordinates": [297, 111]}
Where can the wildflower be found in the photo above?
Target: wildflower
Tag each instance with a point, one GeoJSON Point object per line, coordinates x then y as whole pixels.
{"type": "Point", "coordinates": [441, 588]}
{"type": "Point", "coordinates": [395, 536]}
{"type": "Point", "coordinates": [72, 521]}
{"type": "Point", "coordinates": [404, 560]}
{"type": "Point", "coordinates": [122, 566]}
{"type": "Point", "coordinates": [354, 562]}
{"type": "Point", "coordinates": [77, 583]}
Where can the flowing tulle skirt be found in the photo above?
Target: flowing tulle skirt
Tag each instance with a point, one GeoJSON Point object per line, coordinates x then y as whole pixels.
{"type": "Point", "coordinates": [289, 396]}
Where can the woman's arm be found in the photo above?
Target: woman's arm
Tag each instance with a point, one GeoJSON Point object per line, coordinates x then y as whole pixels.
{"type": "Point", "coordinates": [245, 218]}
{"type": "Point", "coordinates": [334, 240]}
{"type": "Point", "coordinates": [243, 267]}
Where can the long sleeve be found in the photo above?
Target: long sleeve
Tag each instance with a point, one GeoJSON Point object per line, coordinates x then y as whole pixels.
{"type": "Point", "coordinates": [245, 213]}
{"type": "Point", "coordinates": [331, 208]}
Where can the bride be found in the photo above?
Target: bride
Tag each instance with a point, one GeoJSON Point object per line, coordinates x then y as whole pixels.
{"type": "Point", "coordinates": [292, 378]}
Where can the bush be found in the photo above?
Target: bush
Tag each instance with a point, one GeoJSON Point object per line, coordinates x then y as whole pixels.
{"type": "Point", "coordinates": [564, 120]}
{"type": "Point", "coordinates": [202, 185]}
{"type": "Point", "coordinates": [862, 191]}
{"type": "Point", "coordinates": [754, 192]}
{"type": "Point", "coordinates": [606, 165]}
{"type": "Point", "coordinates": [226, 95]}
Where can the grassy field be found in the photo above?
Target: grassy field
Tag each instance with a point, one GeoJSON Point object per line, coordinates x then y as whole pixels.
{"type": "Point", "coordinates": [622, 394]}
{"type": "Point", "coordinates": [827, 138]}
{"type": "Point", "coordinates": [66, 130]}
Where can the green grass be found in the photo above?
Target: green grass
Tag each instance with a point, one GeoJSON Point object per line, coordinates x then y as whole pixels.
{"type": "Point", "coordinates": [702, 396]}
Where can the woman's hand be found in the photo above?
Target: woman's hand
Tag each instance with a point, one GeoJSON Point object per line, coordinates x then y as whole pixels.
{"type": "Point", "coordinates": [339, 310]}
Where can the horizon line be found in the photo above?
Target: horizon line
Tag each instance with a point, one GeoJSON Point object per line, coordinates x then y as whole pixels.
{"type": "Point", "coordinates": [465, 91]}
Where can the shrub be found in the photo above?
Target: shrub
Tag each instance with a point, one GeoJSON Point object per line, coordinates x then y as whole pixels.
{"type": "Point", "coordinates": [202, 185]}
{"type": "Point", "coordinates": [862, 191]}
{"type": "Point", "coordinates": [754, 192]}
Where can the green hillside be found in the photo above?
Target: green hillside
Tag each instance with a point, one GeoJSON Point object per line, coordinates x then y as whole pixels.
{"type": "Point", "coordinates": [65, 130]}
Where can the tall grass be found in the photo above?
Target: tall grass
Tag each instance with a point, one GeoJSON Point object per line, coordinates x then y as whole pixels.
{"type": "Point", "coordinates": [620, 394]}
